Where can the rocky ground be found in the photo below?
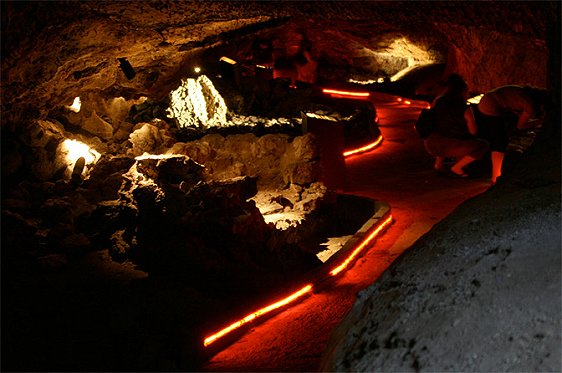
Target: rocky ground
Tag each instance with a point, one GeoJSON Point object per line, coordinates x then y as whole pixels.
{"type": "Point", "coordinates": [479, 292]}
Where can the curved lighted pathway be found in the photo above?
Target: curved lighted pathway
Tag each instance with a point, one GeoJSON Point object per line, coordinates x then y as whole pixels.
{"type": "Point", "coordinates": [398, 172]}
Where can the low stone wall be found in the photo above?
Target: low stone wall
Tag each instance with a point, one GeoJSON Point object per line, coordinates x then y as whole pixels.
{"type": "Point", "coordinates": [275, 160]}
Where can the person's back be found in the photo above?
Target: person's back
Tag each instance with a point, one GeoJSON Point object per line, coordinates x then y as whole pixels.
{"type": "Point", "coordinates": [497, 108]}
{"type": "Point", "coordinates": [449, 112]}
{"type": "Point", "coordinates": [507, 99]}
{"type": "Point", "coordinates": [454, 129]}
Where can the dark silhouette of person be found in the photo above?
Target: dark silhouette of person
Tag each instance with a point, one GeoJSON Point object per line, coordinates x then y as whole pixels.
{"type": "Point", "coordinates": [454, 132]}
{"type": "Point", "coordinates": [495, 110]}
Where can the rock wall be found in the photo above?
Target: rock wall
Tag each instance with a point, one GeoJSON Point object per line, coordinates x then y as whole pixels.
{"type": "Point", "coordinates": [275, 160]}
{"type": "Point", "coordinates": [489, 59]}
{"type": "Point", "coordinates": [46, 63]}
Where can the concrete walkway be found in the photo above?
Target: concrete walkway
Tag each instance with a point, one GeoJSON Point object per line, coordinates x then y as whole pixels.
{"type": "Point", "coordinates": [400, 173]}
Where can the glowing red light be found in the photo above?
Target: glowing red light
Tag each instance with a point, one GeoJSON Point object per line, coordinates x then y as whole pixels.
{"type": "Point", "coordinates": [345, 93]}
{"type": "Point", "coordinates": [364, 148]}
{"type": "Point", "coordinates": [361, 246]}
{"type": "Point", "coordinates": [254, 315]}
{"type": "Point", "coordinates": [428, 107]}
{"type": "Point", "coordinates": [399, 99]}
{"type": "Point", "coordinates": [407, 102]}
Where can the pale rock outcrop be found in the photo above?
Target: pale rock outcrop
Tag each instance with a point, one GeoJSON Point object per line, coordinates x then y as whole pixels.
{"type": "Point", "coordinates": [98, 127]}
{"type": "Point", "coordinates": [273, 159]}
{"type": "Point", "coordinates": [150, 138]}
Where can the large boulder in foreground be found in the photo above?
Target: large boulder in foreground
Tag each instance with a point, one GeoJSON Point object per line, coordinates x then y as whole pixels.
{"type": "Point", "coordinates": [479, 292]}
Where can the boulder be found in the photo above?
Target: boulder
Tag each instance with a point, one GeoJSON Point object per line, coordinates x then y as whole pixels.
{"type": "Point", "coordinates": [240, 188]}
{"type": "Point", "coordinates": [302, 173]}
{"type": "Point", "coordinates": [56, 210]}
{"type": "Point", "coordinates": [106, 177]}
{"type": "Point", "coordinates": [75, 243]}
{"type": "Point", "coordinates": [196, 103]}
{"type": "Point", "coordinates": [303, 148]}
{"type": "Point", "coordinates": [117, 109]}
{"type": "Point", "coordinates": [272, 144]}
{"type": "Point", "coordinates": [241, 146]}
{"type": "Point", "coordinates": [173, 169]}
{"type": "Point", "coordinates": [149, 138]}
{"type": "Point", "coordinates": [199, 151]}
{"type": "Point", "coordinates": [40, 133]}
{"type": "Point", "coordinates": [97, 126]}
{"type": "Point", "coordinates": [215, 141]}
{"type": "Point", "coordinates": [48, 164]}
{"type": "Point", "coordinates": [120, 246]}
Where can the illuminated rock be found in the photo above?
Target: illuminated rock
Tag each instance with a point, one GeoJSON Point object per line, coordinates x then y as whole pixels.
{"type": "Point", "coordinates": [149, 138]}
{"type": "Point", "coordinates": [273, 159]}
{"type": "Point", "coordinates": [172, 169]}
{"type": "Point", "coordinates": [98, 127]}
{"type": "Point", "coordinates": [298, 165]}
{"type": "Point", "coordinates": [107, 176]}
{"type": "Point", "coordinates": [303, 148]}
{"type": "Point", "coordinates": [199, 151]}
{"type": "Point", "coordinates": [177, 169]}
{"type": "Point", "coordinates": [301, 173]}
{"type": "Point", "coordinates": [197, 103]}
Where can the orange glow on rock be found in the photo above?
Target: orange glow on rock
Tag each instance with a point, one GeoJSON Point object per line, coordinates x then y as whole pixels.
{"type": "Point", "coordinates": [345, 93]}
{"type": "Point", "coordinates": [361, 246]}
{"type": "Point", "coordinates": [254, 315]}
{"type": "Point", "coordinates": [363, 148]}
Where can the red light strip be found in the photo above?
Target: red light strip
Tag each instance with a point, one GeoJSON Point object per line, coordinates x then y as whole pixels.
{"type": "Point", "coordinates": [364, 148]}
{"type": "Point", "coordinates": [258, 313]}
{"type": "Point", "coordinates": [346, 93]}
{"type": "Point", "coordinates": [298, 294]}
{"type": "Point", "coordinates": [361, 246]}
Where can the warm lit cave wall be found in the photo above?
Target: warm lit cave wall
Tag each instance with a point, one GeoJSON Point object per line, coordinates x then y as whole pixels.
{"type": "Point", "coordinates": [53, 52]}
{"type": "Point", "coordinates": [46, 63]}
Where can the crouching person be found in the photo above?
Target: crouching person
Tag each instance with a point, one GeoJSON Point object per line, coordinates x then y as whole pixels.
{"type": "Point", "coordinates": [454, 131]}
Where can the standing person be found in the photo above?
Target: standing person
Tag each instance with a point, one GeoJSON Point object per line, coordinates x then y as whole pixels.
{"type": "Point", "coordinates": [454, 132]}
{"type": "Point", "coordinates": [495, 109]}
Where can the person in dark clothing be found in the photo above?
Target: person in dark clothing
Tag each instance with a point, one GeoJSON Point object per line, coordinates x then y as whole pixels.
{"type": "Point", "coordinates": [495, 110]}
{"type": "Point", "coordinates": [454, 133]}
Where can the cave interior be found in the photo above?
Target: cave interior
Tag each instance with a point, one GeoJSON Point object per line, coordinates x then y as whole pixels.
{"type": "Point", "coordinates": [156, 177]}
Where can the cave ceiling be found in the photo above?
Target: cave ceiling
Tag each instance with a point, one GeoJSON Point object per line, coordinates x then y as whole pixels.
{"type": "Point", "coordinates": [55, 51]}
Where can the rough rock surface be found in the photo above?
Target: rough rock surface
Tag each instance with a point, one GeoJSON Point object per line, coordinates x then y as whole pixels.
{"type": "Point", "coordinates": [162, 40]}
{"type": "Point", "coordinates": [192, 229]}
{"type": "Point", "coordinates": [152, 138]}
{"type": "Point", "coordinates": [479, 292]}
{"type": "Point", "coordinates": [274, 159]}
{"type": "Point", "coordinates": [48, 224]}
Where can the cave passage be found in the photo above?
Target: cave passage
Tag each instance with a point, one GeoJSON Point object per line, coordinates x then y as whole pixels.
{"type": "Point", "coordinates": [400, 173]}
